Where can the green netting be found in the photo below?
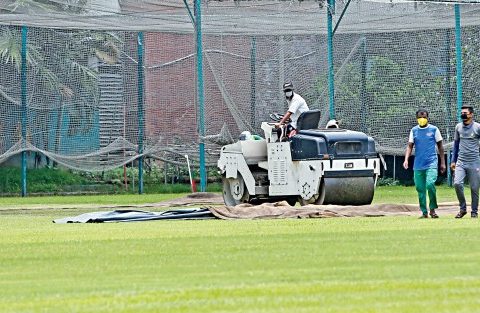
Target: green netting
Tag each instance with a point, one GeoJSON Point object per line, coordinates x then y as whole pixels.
{"type": "Point", "coordinates": [82, 78]}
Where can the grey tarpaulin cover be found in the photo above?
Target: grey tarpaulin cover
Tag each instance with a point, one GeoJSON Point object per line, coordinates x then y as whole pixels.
{"type": "Point", "coordinates": [135, 216]}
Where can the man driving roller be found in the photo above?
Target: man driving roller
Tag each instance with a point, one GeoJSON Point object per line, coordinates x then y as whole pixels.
{"type": "Point", "coordinates": [296, 106]}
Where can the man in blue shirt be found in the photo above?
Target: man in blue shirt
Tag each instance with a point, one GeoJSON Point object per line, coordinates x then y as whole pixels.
{"type": "Point", "coordinates": [425, 138]}
{"type": "Point", "coordinates": [465, 159]}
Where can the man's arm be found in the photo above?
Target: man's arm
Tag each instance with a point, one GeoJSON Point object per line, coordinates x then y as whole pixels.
{"type": "Point", "coordinates": [408, 153]}
{"type": "Point", "coordinates": [441, 151]}
{"type": "Point", "coordinates": [284, 119]}
{"type": "Point", "coordinates": [456, 146]}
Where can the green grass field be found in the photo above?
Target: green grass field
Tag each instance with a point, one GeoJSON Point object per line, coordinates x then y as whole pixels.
{"type": "Point", "coordinates": [388, 264]}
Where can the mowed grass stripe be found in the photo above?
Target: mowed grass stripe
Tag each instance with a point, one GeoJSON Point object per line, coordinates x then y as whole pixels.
{"type": "Point", "coordinates": [402, 296]}
{"type": "Point", "coordinates": [394, 264]}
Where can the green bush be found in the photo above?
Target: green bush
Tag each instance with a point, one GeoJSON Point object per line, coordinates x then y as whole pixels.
{"type": "Point", "coordinates": [388, 181]}
{"type": "Point", "coordinates": [55, 180]}
{"type": "Point", "coordinates": [38, 180]}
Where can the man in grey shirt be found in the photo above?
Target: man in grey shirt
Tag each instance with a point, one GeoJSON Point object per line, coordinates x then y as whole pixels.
{"type": "Point", "coordinates": [466, 160]}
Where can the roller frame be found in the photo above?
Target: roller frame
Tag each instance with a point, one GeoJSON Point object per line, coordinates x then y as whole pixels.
{"type": "Point", "coordinates": [302, 178]}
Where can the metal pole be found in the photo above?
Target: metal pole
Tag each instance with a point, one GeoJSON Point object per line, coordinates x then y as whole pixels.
{"type": "Point", "coordinates": [190, 174]}
{"type": "Point", "coordinates": [201, 126]}
{"type": "Point", "coordinates": [331, 88]}
{"type": "Point", "coordinates": [140, 110]}
{"type": "Point", "coordinates": [189, 12]}
{"type": "Point", "coordinates": [448, 100]}
{"type": "Point", "coordinates": [24, 108]}
{"type": "Point", "coordinates": [458, 46]}
{"type": "Point", "coordinates": [253, 96]}
{"type": "Point", "coordinates": [363, 86]}
{"type": "Point", "coordinates": [165, 169]}
{"type": "Point", "coordinates": [394, 167]}
{"type": "Point", "coordinates": [281, 70]}
{"type": "Point", "coordinates": [341, 16]}
{"type": "Point", "coordinates": [125, 180]}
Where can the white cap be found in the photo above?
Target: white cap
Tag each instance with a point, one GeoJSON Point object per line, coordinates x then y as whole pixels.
{"type": "Point", "coordinates": [332, 124]}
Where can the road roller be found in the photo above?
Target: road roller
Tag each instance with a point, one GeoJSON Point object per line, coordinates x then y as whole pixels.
{"type": "Point", "coordinates": [316, 166]}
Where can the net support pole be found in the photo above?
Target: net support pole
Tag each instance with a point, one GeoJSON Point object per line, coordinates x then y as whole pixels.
{"type": "Point", "coordinates": [253, 70]}
{"type": "Point", "coordinates": [281, 69]}
{"type": "Point", "coordinates": [189, 12]}
{"type": "Point", "coordinates": [331, 88]}
{"type": "Point", "coordinates": [363, 86]}
{"type": "Point", "coordinates": [140, 98]}
{"type": "Point", "coordinates": [200, 96]}
{"type": "Point", "coordinates": [24, 108]}
{"type": "Point", "coordinates": [458, 49]}
{"type": "Point", "coordinates": [448, 100]}
{"type": "Point", "coordinates": [341, 16]}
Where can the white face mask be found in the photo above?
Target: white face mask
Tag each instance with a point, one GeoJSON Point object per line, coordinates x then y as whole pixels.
{"type": "Point", "coordinates": [288, 94]}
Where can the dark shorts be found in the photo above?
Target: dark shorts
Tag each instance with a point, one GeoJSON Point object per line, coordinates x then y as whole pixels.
{"type": "Point", "coordinates": [287, 130]}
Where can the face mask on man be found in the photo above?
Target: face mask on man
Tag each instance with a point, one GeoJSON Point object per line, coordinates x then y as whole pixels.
{"type": "Point", "coordinates": [288, 94]}
{"type": "Point", "coordinates": [422, 121]}
{"type": "Point", "coordinates": [464, 116]}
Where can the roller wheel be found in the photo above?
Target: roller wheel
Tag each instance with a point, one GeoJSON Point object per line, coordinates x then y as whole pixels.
{"type": "Point", "coordinates": [316, 199]}
{"type": "Point", "coordinates": [349, 190]}
{"type": "Point", "coordinates": [234, 191]}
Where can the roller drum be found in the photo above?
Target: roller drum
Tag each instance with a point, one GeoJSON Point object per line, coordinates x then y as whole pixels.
{"type": "Point", "coordinates": [348, 190]}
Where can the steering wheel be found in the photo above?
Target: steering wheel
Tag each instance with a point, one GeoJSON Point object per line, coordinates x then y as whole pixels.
{"type": "Point", "coordinates": [276, 117]}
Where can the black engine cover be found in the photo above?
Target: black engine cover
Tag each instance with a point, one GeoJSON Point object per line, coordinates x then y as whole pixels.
{"type": "Point", "coordinates": [333, 143]}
